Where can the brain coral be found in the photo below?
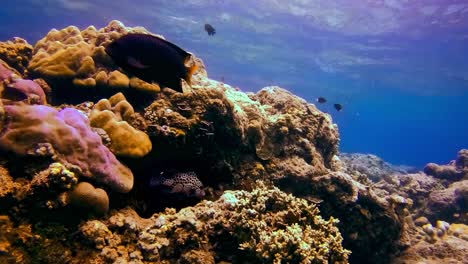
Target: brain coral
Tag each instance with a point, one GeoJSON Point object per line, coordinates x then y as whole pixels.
{"type": "Point", "coordinates": [80, 56]}
{"type": "Point", "coordinates": [65, 134]}
{"type": "Point", "coordinates": [112, 116]}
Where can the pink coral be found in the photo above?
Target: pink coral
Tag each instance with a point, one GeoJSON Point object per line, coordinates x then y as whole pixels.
{"type": "Point", "coordinates": [27, 90]}
{"type": "Point", "coordinates": [13, 87]}
{"type": "Point", "coordinates": [68, 136]}
{"type": "Point", "coordinates": [4, 72]}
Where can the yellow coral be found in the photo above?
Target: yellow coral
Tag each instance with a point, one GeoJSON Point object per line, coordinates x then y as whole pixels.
{"type": "Point", "coordinates": [112, 116]}
{"type": "Point", "coordinates": [87, 66]}
{"type": "Point", "coordinates": [101, 78]}
{"type": "Point", "coordinates": [88, 82]}
{"type": "Point", "coordinates": [459, 230]}
{"type": "Point", "coordinates": [118, 80]}
{"type": "Point", "coordinates": [141, 85]}
{"type": "Point", "coordinates": [63, 62]}
{"type": "Point", "coordinates": [80, 56]}
{"type": "Point", "coordinates": [16, 53]}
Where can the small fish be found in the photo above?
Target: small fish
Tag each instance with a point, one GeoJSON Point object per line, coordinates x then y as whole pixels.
{"type": "Point", "coordinates": [338, 107]}
{"type": "Point", "coordinates": [152, 59]}
{"type": "Point", "coordinates": [321, 100]}
{"type": "Point", "coordinates": [210, 29]}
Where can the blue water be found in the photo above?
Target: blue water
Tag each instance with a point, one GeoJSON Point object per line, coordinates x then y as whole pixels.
{"type": "Point", "coordinates": [398, 67]}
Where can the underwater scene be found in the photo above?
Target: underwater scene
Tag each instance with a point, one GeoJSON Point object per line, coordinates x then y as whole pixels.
{"type": "Point", "coordinates": [229, 131]}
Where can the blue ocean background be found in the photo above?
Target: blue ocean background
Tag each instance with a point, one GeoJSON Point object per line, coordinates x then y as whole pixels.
{"type": "Point", "coordinates": [398, 67]}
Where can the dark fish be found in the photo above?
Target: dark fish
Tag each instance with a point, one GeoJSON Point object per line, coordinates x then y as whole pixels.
{"type": "Point", "coordinates": [184, 183]}
{"type": "Point", "coordinates": [338, 107]}
{"type": "Point", "coordinates": [152, 59]}
{"type": "Point", "coordinates": [210, 29]}
{"type": "Point", "coordinates": [321, 100]}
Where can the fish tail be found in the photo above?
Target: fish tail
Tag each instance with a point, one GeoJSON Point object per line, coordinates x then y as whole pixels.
{"type": "Point", "coordinates": [191, 71]}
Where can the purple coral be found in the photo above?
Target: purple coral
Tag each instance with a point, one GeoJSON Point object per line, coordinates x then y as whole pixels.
{"type": "Point", "coordinates": [5, 73]}
{"type": "Point", "coordinates": [27, 90]}
{"type": "Point", "coordinates": [68, 136]}
{"type": "Point", "coordinates": [19, 89]}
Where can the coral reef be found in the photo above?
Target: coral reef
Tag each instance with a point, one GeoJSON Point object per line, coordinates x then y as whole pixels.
{"type": "Point", "coordinates": [456, 170]}
{"type": "Point", "coordinates": [113, 116]}
{"type": "Point", "coordinates": [78, 59]}
{"type": "Point", "coordinates": [450, 203]}
{"type": "Point", "coordinates": [65, 136]}
{"type": "Point", "coordinates": [89, 198]}
{"type": "Point", "coordinates": [262, 226]}
{"type": "Point", "coordinates": [415, 186]}
{"type": "Point", "coordinates": [372, 166]}
{"type": "Point", "coordinates": [288, 136]}
{"type": "Point", "coordinates": [56, 157]}
{"type": "Point", "coordinates": [440, 197]}
{"type": "Point", "coordinates": [372, 225]}
{"type": "Point", "coordinates": [16, 53]}
{"type": "Point", "coordinates": [295, 133]}
{"type": "Point", "coordinates": [443, 244]}
{"type": "Point", "coordinates": [14, 88]}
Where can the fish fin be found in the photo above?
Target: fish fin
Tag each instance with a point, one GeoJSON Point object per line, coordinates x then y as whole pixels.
{"type": "Point", "coordinates": [191, 71]}
{"type": "Point", "coordinates": [136, 63]}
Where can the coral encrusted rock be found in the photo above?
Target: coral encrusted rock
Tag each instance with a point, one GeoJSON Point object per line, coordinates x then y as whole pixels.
{"type": "Point", "coordinates": [78, 58]}
{"type": "Point", "coordinates": [262, 226]}
{"type": "Point", "coordinates": [113, 116]}
{"type": "Point", "coordinates": [66, 136]}
{"type": "Point", "coordinates": [17, 53]}
{"type": "Point", "coordinates": [454, 171]}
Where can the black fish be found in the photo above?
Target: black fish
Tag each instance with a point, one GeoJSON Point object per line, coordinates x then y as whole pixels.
{"type": "Point", "coordinates": [321, 100]}
{"type": "Point", "coordinates": [152, 59]}
{"type": "Point", "coordinates": [210, 29]}
{"type": "Point", "coordinates": [338, 107]}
